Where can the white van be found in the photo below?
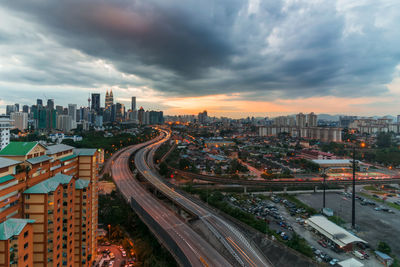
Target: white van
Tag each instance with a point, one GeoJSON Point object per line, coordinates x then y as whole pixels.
{"type": "Point", "coordinates": [358, 254]}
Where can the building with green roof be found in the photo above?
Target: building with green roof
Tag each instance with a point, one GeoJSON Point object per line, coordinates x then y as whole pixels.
{"type": "Point", "coordinates": [12, 227]}
{"type": "Point", "coordinates": [49, 185]}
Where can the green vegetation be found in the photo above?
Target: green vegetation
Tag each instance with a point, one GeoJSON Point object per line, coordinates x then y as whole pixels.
{"type": "Point", "coordinates": [161, 151]}
{"type": "Point", "coordinates": [383, 247]}
{"type": "Point", "coordinates": [300, 244]}
{"type": "Point", "coordinates": [235, 167]}
{"type": "Point", "coordinates": [300, 204]}
{"type": "Point", "coordinates": [307, 165]}
{"type": "Point", "coordinates": [115, 211]}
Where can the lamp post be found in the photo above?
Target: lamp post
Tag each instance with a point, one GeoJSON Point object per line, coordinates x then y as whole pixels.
{"type": "Point", "coordinates": [353, 202]}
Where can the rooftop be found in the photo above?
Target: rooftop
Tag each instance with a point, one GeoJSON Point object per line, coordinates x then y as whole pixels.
{"type": "Point", "coordinates": [38, 159]}
{"type": "Point", "coordinates": [351, 262]}
{"type": "Point", "coordinates": [85, 151]}
{"type": "Point", "coordinates": [5, 162]}
{"type": "Point", "coordinates": [81, 183]}
{"type": "Point", "coordinates": [6, 178]}
{"type": "Point", "coordinates": [333, 231]}
{"type": "Point", "coordinates": [49, 185]}
{"type": "Point", "coordinates": [51, 150]}
{"type": "Point", "coordinates": [12, 227]}
{"type": "Point", "coordinates": [18, 148]}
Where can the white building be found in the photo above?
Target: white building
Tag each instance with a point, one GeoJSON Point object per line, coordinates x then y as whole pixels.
{"type": "Point", "coordinates": [20, 120]}
{"type": "Point", "coordinates": [64, 123]}
{"type": "Point", "coordinates": [5, 127]}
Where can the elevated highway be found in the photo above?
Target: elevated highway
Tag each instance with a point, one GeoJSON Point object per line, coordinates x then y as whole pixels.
{"type": "Point", "coordinates": [234, 241]}
{"type": "Point", "coordinates": [188, 248]}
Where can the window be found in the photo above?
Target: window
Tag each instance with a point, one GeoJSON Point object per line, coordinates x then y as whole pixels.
{"type": "Point", "coordinates": [26, 216]}
{"type": "Point", "coordinates": [27, 196]}
{"type": "Point", "coordinates": [25, 245]}
{"type": "Point", "coordinates": [26, 234]}
{"type": "Point", "coordinates": [27, 206]}
{"type": "Point", "coordinates": [26, 257]}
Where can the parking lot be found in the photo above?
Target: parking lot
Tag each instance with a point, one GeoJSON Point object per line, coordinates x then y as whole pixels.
{"type": "Point", "coordinates": [374, 225]}
{"type": "Point", "coordinates": [112, 256]}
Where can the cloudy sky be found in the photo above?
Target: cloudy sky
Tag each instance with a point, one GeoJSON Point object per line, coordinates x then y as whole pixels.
{"type": "Point", "coordinates": [232, 57]}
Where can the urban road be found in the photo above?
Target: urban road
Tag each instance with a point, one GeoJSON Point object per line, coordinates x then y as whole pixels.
{"type": "Point", "coordinates": [196, 250]}
{"type": "Point", "coordinates": [234, 241]}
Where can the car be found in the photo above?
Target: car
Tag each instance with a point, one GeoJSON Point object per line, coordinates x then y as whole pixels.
{"type": "Point", "coordinates": [123, 253]}
{"type": "Point", "coordinates": [377, 209]}
{"type": "Point", "coordinates": [322, 243]}
{"type": "Point", "coordinates": [112, 256]}
{"type": "Point", "coordinates": [333, 262]}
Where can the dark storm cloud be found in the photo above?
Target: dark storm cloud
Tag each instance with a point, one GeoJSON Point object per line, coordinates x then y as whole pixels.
{"type": "Point", "coordinates": [272, 49]}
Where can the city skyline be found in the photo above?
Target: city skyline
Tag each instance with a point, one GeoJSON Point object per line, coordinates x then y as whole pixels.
{"type": "Point", "coordinates": [302, 54]}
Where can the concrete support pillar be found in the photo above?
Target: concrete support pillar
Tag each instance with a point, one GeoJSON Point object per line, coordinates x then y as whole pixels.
{"type": "Point", "coordinates": [285, 189]}
{"type": "Point", "coordinates": [245, 189]}
{"type": "Point", "coordinates": [315, 189]}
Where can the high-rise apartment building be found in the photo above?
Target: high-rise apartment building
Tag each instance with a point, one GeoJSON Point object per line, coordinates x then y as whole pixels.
{"type": "Point", "coordinates": [5, 127]}
{"type": "Point", "coordinates": [300, 120]}
{"type": "Point", "coordinates": [109, 100]}
{"type": "Point", "coordinates": [96, 103]}
{"type": "Point", "coordinates": [311, 120]}
{"type": "Point", "coordinates": [133, 103]}
{"type": "Point", "coordinates": [50, 212]}
{"type": "Point", "coordinates": [19, 120]}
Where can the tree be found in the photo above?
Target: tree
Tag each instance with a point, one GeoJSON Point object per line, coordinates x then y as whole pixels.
{"type": "Point", "coordinates": [384, 140]}
{"type": "Point", "coordinates": [383, 247]}
{"type": "Point", "coordinates": [163, 168]}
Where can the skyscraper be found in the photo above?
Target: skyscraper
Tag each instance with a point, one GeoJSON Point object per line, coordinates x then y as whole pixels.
{"type": "Point", "coordinates": [141, 115]}
{"type": "Point", "coordinates": [39, 102]}
{"type": "Point", "coordinates": [25, 108]}
{"type": "Point", "coordinates": [50, 104]}
{"type": "Point", "coordinates": [72, 111]}
{"type": "Point", "coordinates": [133, 104]}
{"type": "Point", "coordinates": [96, 102]}
{"type": "Point", "coordinates": [109, 101]}
{"type": "Point", "coordinates": [301, 120]}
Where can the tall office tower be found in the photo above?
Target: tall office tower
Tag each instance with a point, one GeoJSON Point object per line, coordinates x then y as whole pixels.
{"type": "Point", "coordinates": [64, 123]}
{"type": "Point", "coordinates": [96, 103]}
{"type": "Point", "coordinates": [16, 107]}
{"type": "Point", "coordinates": [25, 108]}
{"type": "Point", "coordinates": [301, 120]}
{"type": "Point", "coordinates": [10, 109]}
{"type": "Point", "coordinates": [5, 127]}
{"type": "Point", "coordinates": [72, 111]}
{"type": "Point", "coordinates": [39, 102]}
{"type": "Point", "coordinates": [119, 112]}
{"type": "Point", "coordinates": [311, 120]}
{"type": "Point", "coordinates": [50, 217]}
{"type": "Point", "coordinates": [109, 101]}
{"type": "Point", "coordinates": [141, 117]}
{"type": "Point", "coordinates": [398, 119]}
{"type": "Point", "coordinates": [59, 110]}
{"type": "Point", "coordinates": [19, 120]}
{"type": "Point", "coordinates": [133, 103]}
{"type": "Point", "coordinates": [50, 104]}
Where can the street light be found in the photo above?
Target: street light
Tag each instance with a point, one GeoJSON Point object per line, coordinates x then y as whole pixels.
{"type": "Point", "coordinates": [109, 231]}
{"type": "Point", "coordinates": [353, 202]}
